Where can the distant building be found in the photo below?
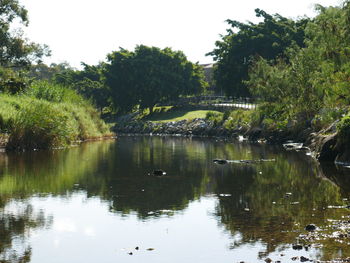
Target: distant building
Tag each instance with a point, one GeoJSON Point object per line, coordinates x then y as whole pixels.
{"type": "Point", "coordinates": [209, 77]}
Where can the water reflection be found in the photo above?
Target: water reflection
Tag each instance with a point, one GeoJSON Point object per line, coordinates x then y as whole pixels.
{"type": "Point", "coordinates": [265, 205]}
{"type": "Point", "coordinates": [16, 222]}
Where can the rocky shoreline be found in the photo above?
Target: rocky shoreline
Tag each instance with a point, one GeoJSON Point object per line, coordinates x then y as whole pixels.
{"type": "Point", "coordinates": [324, 145]}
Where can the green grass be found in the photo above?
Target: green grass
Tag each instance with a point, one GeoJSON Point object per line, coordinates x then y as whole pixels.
{"type": "Point", "coordinates": [177, 115]}
{"type": "Point", "coordinates": [48, 116]}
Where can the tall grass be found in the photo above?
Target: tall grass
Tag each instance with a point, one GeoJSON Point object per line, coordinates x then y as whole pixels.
{"type": "Point", "coordinates": [47, 116]}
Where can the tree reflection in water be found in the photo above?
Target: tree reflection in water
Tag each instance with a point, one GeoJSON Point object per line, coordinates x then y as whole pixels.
{"type": "Point", "coordinates": [267, 202]}
{"type": "Point", "coordinates": [16, 222]}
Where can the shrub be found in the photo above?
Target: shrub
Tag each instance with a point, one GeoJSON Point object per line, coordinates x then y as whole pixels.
{"type": "Point", "coordinates": [215, 117]}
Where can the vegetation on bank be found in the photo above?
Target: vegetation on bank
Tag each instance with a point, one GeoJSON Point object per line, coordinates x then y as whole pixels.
{"type": "Point", "coordinates": [45, 116]}
{"type": "Point", "coordinates": [301, 77]}
{"type": "Point", "coordinates": [297, 70]}
{"type": "Point", "coordinates": [37, 114]}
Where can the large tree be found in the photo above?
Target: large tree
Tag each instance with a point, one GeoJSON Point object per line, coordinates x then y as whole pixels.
{"type": "Point", "coordinates": [244, 42]}
{"type": "Point", "coordinates": [150, 75]}
{"type": "Point", "coordinates": [15, 50]}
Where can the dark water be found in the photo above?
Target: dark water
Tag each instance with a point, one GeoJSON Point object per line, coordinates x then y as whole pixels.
{"type": "Point", "coordinates": [97, 203]}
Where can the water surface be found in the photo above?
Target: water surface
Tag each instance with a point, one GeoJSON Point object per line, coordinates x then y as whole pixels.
{"type": "Point", "coordinates": [97, 203]}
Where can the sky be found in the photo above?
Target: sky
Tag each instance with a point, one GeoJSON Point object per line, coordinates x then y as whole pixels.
{"type": "Point", "coordinates": [87, 30]}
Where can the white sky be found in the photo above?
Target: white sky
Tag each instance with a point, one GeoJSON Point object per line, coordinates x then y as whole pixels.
{"type": "Point", "coordinates": [87, 30]}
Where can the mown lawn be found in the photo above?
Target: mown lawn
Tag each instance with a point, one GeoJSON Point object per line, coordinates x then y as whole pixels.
{"type": "Point", "coordinates": [177, 115]}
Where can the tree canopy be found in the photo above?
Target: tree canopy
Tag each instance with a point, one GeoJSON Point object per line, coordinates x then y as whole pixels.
{"type": "Point", "coordinates": [245, 42]}
{"type": "Point", "coordinates": [88, 82]}
{"type": "Point", "coordinates": [313, 82]}
{"type": "Point", "coordinates": [150, 75]}
{"type": "Point", "coordinates": [15, 50]}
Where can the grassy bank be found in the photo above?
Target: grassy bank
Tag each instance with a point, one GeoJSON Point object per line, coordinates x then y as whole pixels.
{"type": "Point", "coordinates": [47, 116]}
{"type": "Point", "coordinates": [179, 115]}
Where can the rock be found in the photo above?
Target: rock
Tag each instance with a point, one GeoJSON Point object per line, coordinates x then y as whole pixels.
{"type": "Point", "coordinates": [220, 161]}
{"type": "Point", "coordinates": [328, 150]}
{"type": "Point", "coordinates": [158, 172]}
{"type": "Point", "coordinates": [297, 247]}
{"type": "Point", "coordinates": [310, 227]}
{"type": "Point", "coordinates": [304, 259]}
{"type": "Point", "coordinates": [268, 260]}
{"type": "Point", "coordinates": [254, 133]}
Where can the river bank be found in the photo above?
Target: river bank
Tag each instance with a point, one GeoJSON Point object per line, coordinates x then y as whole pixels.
{"type": "Point", "coordinates": [48, 116]}
{"type": "Point", "coordinates": [325, 144]}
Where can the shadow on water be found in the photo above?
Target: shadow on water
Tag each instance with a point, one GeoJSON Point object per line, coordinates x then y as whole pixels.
{"type": "Point", "coordinates": [268, 202]}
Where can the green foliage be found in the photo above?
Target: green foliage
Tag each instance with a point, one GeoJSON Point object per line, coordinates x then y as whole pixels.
{"type": "Point", "coordinates": [40, 125]}
{"type": "Point", "coordinates": [150, 75]}
{"type": "Point", "coordinates": [237, 50]}
{"type": "Point", "coordinates": [239, 119]}
{"type": "Point", "coordinates": [343, 128]}
{"type": "Point", "coordinates": [53, 92]}
{"type": "Point", "coordinates": [12, 82]}
{"type": "Point", "coordinates": [48, 116]}
{"type": "Point", "coordinates": [42, 71]}
{"type": "Point", "coordinates": [87, 82]}
{"type": "Point", "coordinates": [215, 117]}
{"type": "Point", "coordinates": [15, 50]}
{"type": "Point", "coordinates": [326, 116]}
{"type": "Point", "coordinates": [310, 86]}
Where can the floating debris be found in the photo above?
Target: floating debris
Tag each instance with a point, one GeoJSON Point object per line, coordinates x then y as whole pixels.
{"type": "Point", "coordinates": [158, 172]}
{"type": "Point", "coordinates": [220, 161]}
{"type": "Point", "coordinates": [293, 146]}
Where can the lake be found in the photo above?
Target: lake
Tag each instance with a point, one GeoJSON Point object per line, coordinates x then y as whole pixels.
{"type": "Point", "coordinates": [99, 202]}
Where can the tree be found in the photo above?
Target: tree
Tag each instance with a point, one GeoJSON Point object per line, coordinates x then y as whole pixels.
{"type": "Point", "coordinates": [313, 81]}
{"type": "Point", "coordinates": [42, 71]}
{"type": "Point", "coordinates": [237, 50]}
{"type": "Point", "coordinates": [150, 75]}
{"type": "Point", "coordinates": [15, 50]}
{"type": "Point", "coordinates": [88, 82]}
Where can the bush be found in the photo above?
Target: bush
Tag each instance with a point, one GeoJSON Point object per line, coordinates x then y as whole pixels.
{"type": "Point", "coordinates": [215, 117]}
{"type": "Point", "coordinates": [238, 119]}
